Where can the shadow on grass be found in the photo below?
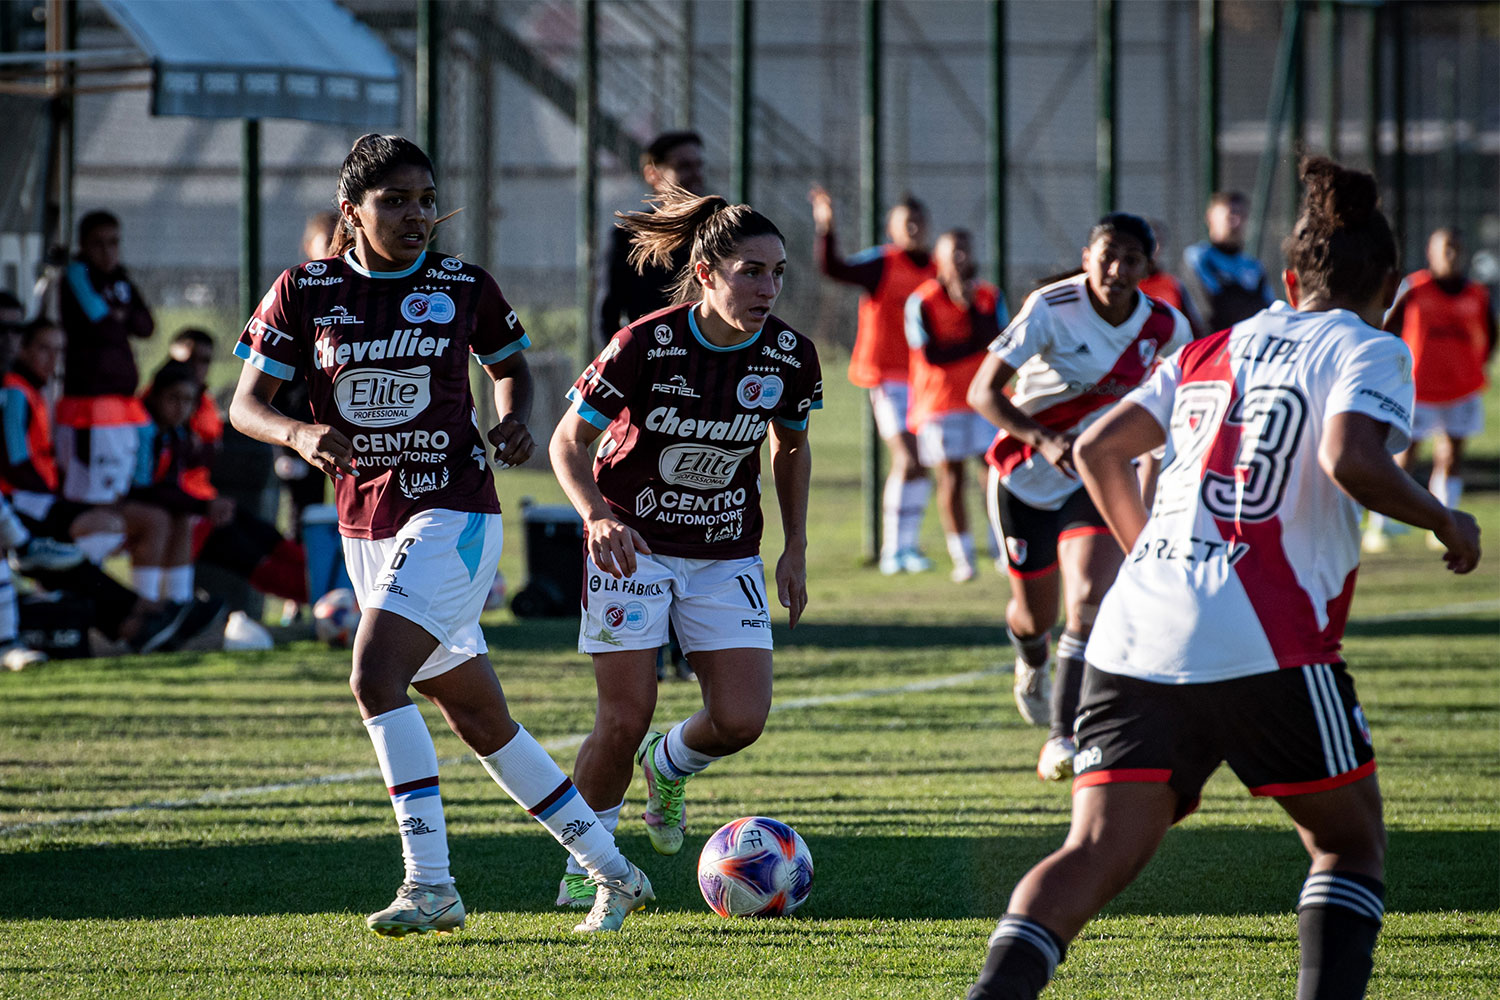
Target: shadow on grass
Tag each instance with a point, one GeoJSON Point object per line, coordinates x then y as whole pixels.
{"type": "Point", "coordinates": [554, 635]}
{"type": "Point", "coordinates": [1445, 627]}
{"type": "Point", "coordinates": [1197, 871]}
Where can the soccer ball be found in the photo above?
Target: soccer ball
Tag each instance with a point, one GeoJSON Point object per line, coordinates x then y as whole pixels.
{"type": "Point", "coordinates": [755, 867]}
{"type": "Point", "coordinates": [496, 597]}
{"type": "Point", "coordinates": [336, 617]}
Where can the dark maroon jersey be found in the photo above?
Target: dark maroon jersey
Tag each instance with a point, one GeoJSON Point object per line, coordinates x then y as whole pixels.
{"type": "Point", "coordinates": [386, 358]}
{"type": "Point", "coordinates": [683, 420]}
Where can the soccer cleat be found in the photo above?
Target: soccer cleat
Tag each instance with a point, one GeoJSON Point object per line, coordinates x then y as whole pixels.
{"type": "Point", "coordinates": [158, 627]}
{"type": "Point", "coordinates": [19, 657]}
{"type": "Point", "coordinates": [614, 899]}
{"type": "Point", "coordinates": [904, 561]}
{"type": "Point", "coordinates": [1033, 692]}
{"type": "Point", "coordinates": [1055, 763]}
{"type": "Point", "coordinates": [42, 553]}
{"type": "Point", "coordinates": [419, 909]}
{"type": "Point", "coordinates": [665, 815]}
{"type": "Point", "coordinates": [962, 573]}
{"type": "Point", "coordinates": [576, 890]}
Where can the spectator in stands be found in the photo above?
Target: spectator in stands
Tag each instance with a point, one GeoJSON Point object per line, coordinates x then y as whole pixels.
{"type": "Point", "coordinates": [1448, 323]}
{"type": "Point", "coordinates": [880, 362]}
{"type": "Point", "coordinates": [625, 295]}
{"type": "Point", "coordinates": [1164, 286]}
{"type": "Point", "coordinates": [1229, 284]}
{"type": "Point", "coordinates": [98, 415]}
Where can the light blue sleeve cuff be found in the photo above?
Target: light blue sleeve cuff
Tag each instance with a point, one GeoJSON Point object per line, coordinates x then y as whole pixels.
{"type": "Point", "coordinates": [792, 425]}
{"type": "Point", "coordinates": [275, 369]}
{"type": "Point", "coordinates": [587, 412]}
{"type": "Point", "coordinates": [505, 352]}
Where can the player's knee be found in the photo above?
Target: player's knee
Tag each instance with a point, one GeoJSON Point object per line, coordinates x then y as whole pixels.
{"type": "Point", "coordinates": [376, 691]}
{"type": "Point", "coordinates": [621, 729]}
{"type": "Point", "coordinates": [737, 731]}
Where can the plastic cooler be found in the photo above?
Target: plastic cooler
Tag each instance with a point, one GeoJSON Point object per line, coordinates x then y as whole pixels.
{"type": "Point", "coordinates": [554, 561]}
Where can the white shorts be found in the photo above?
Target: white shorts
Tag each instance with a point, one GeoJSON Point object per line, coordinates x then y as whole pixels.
{"type": "Point", "coordinates": [888, 400]}
{"type": "Point", "coordinates": [953, 437]}
{"type": "Point", "coordinates": [436, 571]}
{"type": "Point", "coordinates": [712, 603]}
{"type": "Point", "coordinates": [1462, 418]}
{"type": "Point", "coordinates": [97, 464]}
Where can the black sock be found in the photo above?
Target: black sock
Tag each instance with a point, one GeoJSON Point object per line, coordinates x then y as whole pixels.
{"type": "Point", "coordinates": [1023, 955]}
{"type": "Point", "coordinates": [1067, 683]}
{"type": "Point", "coordinates": [1338, 919]}
{"type": "Point", "coordinates": [1032, 650]}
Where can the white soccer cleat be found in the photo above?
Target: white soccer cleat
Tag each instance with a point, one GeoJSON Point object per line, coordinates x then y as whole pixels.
{"type": "Point", "coordinates": [962, 573]}
{"type": "Point", "coordinates": [419, 909]}
{"type": "Point", "coordinates": [614, 899]}
{"type": "Point", "coordinates": [1055, 763]}
{"type": "Point", "coordinates": [1033, 692]}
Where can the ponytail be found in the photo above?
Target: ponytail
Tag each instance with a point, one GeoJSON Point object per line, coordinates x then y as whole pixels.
{"type": "Point", "coordinates": [1341, 245]}
{"type": "Point", "coordinates": [710, 227]}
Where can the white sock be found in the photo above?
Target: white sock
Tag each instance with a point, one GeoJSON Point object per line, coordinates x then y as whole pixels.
{"type": "Point", "coordinates": [146, 581]}
{"type": "Point", "coordinates": [408, 762]}
{"type": "Point", "coordinates": [13, 533]}
{"type": "Point", "coordinates": [101, 545]}
{"type": "Point", "coordinates": [534, 780]}
{"type": "Point", "coordinates": [1448, 489]}
{"type": "Point", "coordinates": [890, 516]}
{"type": "Point", "coordinates": [177, 583]}
{"type": "Point", "coordinates": [914, 494]}
{"type": "Point", "coordinates": [610, 820]}
{"type": "Point", "coordinates": [960, 548]}
{"type": "Point", "coordinates": [676, 759]}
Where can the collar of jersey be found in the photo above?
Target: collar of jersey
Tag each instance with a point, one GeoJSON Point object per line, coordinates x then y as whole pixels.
{"type": "Point", "coordinates": [698, 334]}
{"type": "Point", "coordinates": [349, 259]}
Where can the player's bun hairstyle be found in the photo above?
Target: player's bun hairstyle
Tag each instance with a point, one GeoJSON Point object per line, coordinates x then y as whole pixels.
{"type": "Point", "coordinates": [1342, 245]}
{"type": "Point", "coordinates": [1125, 224]}
{"type": "Point", "coordinates": [709, 225]}
{"type": "Point", "coordinates": [656, 153]}
{"type": "Point", "coordinates": [97, 219]}
{"type": "Point", "coordinates": [370, 161]}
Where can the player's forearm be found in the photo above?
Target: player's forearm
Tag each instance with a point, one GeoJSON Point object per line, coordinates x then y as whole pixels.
{"type": "Point", "coordinates": [513, 391]}
{"type": "Point", "coordinates": [1115, 486]}
{"type": "Point", "coordinates": [574, 470]}
{"type": "Point", "coordinates": [256, 418]}
{"type": "Point", "coordinates": [791, 470]}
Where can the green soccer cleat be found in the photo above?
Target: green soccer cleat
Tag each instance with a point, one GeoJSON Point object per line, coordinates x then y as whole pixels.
{"type": "Point", "coordinates": [665, 815]}
{"type": "Point", "coordinates": [614, 899]}
{"type": "Point", "coordinates": [419, 909]}
{"type": "Point", "coordinates": [575, 890]}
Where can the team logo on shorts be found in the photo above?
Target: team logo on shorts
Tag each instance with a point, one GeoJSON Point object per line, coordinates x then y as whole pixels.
{"type": "Point", "coordinates": [1363, 725]}
{"type": "Point", "coordinates": [452, 264]}
{"type": "Point", "coordinates": [750, 388]}
{"type": "Point", "coordinates": [1017, 549]}
{"type": "Point", "coordinates": [416, 307]}
{"type": "Point", "coordinates": [613, 615]}
{"type": "Point", "coordinates": [635, 616]}
{"type": "Point", "coordinates": [315, 267]}
{"type": "Point", "coordinates": [663, 334]}
{"type": "Point", "coordinates": [786, 340]}
{"type": "Point", "coordinates": [771, 389]}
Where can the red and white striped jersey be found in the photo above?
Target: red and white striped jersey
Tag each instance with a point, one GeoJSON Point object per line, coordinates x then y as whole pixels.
{"type": "Point", "coordinates": [1071, 366]}
{"type": "Point", "coordinates": [1248, 560]}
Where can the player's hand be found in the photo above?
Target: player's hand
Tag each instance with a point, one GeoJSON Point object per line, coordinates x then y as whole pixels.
{"type": "Point", "coordinates": [512, 441]}
{"type": "Point", "coordinates": [822, 208]}
{"type": "Point", "coordinates": [1058, 449]}
{"type": "Point", "coordinates": [613, 545]}
{"type": "Point", "coordinates": [791, 583]}
{"type": "Point", "coordinates": [326, 450]}
{"type": "Point", "coordinates": [1461, 536]}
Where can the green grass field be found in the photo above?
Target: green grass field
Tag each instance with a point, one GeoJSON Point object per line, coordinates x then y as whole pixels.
{"type": "Point", "coordinates": [212, 825]}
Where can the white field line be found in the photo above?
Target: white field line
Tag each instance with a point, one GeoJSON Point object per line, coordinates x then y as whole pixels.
{"type": "Point", "coordinates": [571, 742]}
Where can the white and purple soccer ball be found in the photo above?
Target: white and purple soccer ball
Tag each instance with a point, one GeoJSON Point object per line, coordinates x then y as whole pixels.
{"type": "Point", "coordinates": [755, 867]}
{"type": "Point", "coordinates": [336, 617]}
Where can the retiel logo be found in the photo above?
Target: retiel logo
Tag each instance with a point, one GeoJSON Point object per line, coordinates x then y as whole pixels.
{"type": "Point", "coordinates": [374, 397]}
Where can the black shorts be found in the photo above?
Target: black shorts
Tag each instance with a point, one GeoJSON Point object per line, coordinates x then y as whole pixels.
{"type": "Point", "coordinates": [1031, 533]}
{"type": "Point", "coordinates": [61, 514]}
{"type": "Point", "coordinates": [1288, 732]}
